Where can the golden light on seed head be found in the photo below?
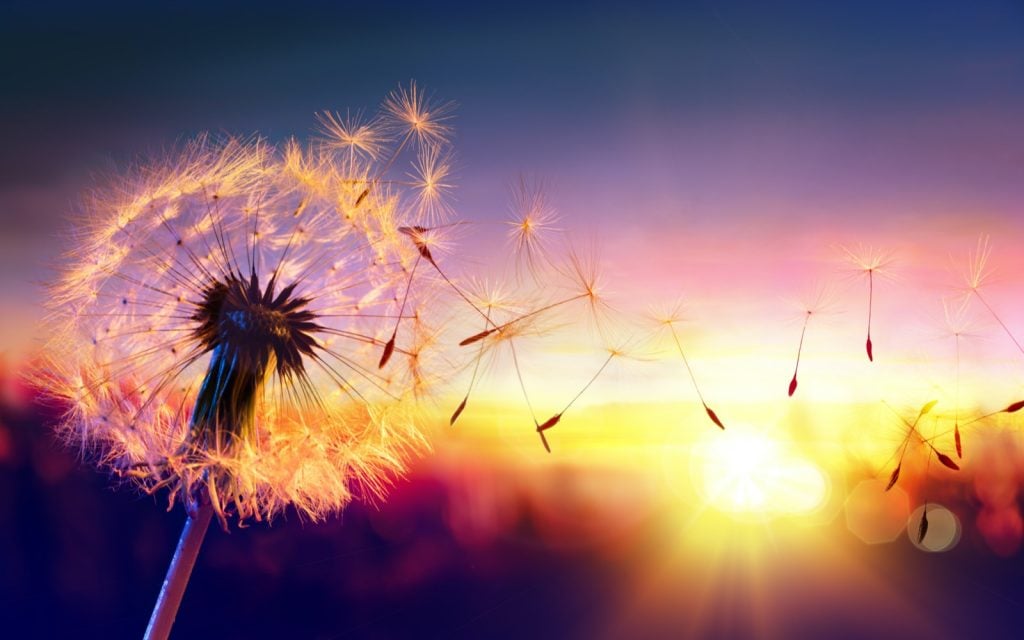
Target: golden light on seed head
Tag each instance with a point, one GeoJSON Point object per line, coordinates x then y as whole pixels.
{"type": "Point", "coordinates": [411, 113]}
{"type": "Point", "coordinates": [431, 180]}
{"type": "Point", "coordinates": [868, 259]}
{"type": "Point", "coordinates": [216, 328]}
{"type": "Point", "coordinates": [978, 270]}
{"type": "Point", "coordinates": [533, 221]}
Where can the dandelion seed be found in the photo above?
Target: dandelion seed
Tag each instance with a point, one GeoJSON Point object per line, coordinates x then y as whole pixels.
{"type": "Point", "coordinates": [922, 529]}
{"type": "Point", "coordinates": [668, 319]}
{"type": "Point", "coordinates": [870, 262]}
{"type": "Point", "coordinates": [423, 238]}
{"type": "Point", "coordinates": [533, 221]}
{"type": "Point", "coordinates": [430, 181]}
{"type": "Point", "coordinates": [959, 326]}
{"type": "Point", "coordinates": [978, 273]}
{"type": "Point", "coordinates": [389, 346]}
{"type": "Point", "coordinates": [799, 351]}
{"type": "Point", "coordinates": [894, 477]}
{"type": "Point", "coordinates": [913, 432]}
{"type": "Point", "coordinates": [490, 298]}
{"type": "Point", "coordinates": [416, 115]}
{"type": "Point", "coordinates": [353, 135]}
{"type": "Point", "coordinates": [583, 273]}
{"type": "Point", "coordinates": [947, 461]}
{"type": "Point", "coordinates": [1011, 408]}
{"type": "Point", "coordinates": [817, 304]}
{"type": "Point", "coordinates": [555, 419]}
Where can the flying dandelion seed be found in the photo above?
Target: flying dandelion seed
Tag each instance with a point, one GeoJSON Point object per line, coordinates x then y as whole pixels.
{"type": "Point", "coordinates": [215, 329]}
{"type": "Point", "coordinates": [491, 298]}
{"type": "Point", "coordinates": [356, 137]}
{"type": "Point", "coordinates": [533, 220]}
{"type": "Point", "coordinates": [668, 319]}
{"type": "Point", "coordinates": [416, 118]}
{"type": "Point", "coordinates": [416, 115]}
{"type": "Point", "coordinates": [818, 303]}
{"type": "Point", "coordinates": [556, 418]}
{"type": "Point", "coordinates": [977, 275]}
{"type": "Point", "coordinates": [958, 325]}
{"type": "Point", "coordinates": [430, 180]}
{"type": "Point", "coordinates": [913, 433]}
{"type": "Point", "coordinates": [871, 263]}
{"type": "Point", "coordinates": [1013, 407]}
{"type": "Point", "coordinates": [583, 272]}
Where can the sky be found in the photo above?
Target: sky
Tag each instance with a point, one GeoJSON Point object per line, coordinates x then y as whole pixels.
{"type": "Point", "coordinates": [748, 121]}
{"type": "Point", "coordinates": [721, 151]}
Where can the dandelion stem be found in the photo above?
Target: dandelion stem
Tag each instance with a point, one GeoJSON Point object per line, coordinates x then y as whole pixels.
{"type": "Point", "coordinates": [871, 299]}
{"type": "Point", "coordinates": [999, 320]}
{"type": "Point", "coordinates": [799, 350]}
{"type": "Point", "coordinates": [591, 382]}
{"type": "Point", "coordinates": [178, 573]}
{"type": "Point", "coordinates": [693, 379]}
{"type": "Point", "coordinates": [956, 402]}
{"type": "Point", "coordinates": [485, 316]}
{"type": "Point", "coordinates": [501, 327]}
{"type": "Point", "coordinates": [472, 380]}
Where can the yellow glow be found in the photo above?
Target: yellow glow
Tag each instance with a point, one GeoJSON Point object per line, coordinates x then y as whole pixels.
{"type": "Point", "coordinates": [746, 472]}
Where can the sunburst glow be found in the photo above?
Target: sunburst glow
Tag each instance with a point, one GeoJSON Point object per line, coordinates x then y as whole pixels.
{"type": "Point", "coordinates": [746, 471]}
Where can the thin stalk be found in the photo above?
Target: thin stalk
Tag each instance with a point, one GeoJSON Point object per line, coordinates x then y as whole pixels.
{"type": "Point", "coordinates": [178, 573]}
{"type": "Point", "coordinates": [871, 299]}
{"type": "Point", "coordinates": [1000, 321]}
{"type": "Point", "coordinates": [799, 350]}
{"type": "Point", "coordinates": [711, 414]}
{"type": "Point", "coordinates": [956, 400]}
{"type": "Point", "coordinates": [483, 334]}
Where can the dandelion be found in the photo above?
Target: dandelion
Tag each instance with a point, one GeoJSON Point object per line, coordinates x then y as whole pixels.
{"type": "Point", "coordinates": [216, 327]}
{"type": "Point", "coordinates": [871, 263]}
{"type": "Point", "coordinates": [977, 275]}
{"type": "Point", "coordinates": [668, 319]}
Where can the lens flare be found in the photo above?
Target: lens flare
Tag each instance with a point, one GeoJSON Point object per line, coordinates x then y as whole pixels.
{"type": "Point", "coordinates": [746, 472]}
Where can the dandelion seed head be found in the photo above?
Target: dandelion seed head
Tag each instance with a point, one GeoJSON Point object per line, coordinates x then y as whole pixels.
{"type": "Point", "coordinates": [957, 321]}
{"type": "Point", "coordinates": [431, 180]}
{"type": "Point", "coordinates": [978, 270]}
{"type": "Point", "coordinates": [410, 112]}
{"type": "Point", "coordinates": [491, 295]}
{"type": "Point", "coordinates": [867, 259]}
{"type": "Point", "coordinates": [353, 134]}
{"type": "Point", "coordinates": [216, 328]}
{"type": "Point", "coordinates": [817, 300]}
{"type": "Point", "coordinates": [668, 314]}
{"type": "Point", "coordinates": [533, 221]}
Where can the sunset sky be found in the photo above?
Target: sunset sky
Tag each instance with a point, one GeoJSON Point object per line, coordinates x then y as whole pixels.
{"type": "Point", "coordinates": [726, 154]}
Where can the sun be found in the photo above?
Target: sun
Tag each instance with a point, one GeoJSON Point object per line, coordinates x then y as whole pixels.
{"type": "Point", "coordinates": [746, 472]}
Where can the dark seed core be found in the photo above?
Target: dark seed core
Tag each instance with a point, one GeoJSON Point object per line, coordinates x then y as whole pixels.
{"type": "Point", "coordinates": [251, 333]}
